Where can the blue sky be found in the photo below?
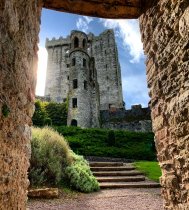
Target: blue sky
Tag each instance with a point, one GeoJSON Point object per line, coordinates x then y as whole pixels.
{"type": "Point", "coordinates": [131, 57]}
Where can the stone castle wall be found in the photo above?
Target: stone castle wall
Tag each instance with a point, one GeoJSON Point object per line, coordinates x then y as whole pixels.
{"type": "Point", "coordinates": [104, 50]}
{"type": "Point", "coordinates": [57, 77]}
{"type": "Point", "coordinates": [135, 119]}
{"type": "Point", "coordinates": [165, 34]}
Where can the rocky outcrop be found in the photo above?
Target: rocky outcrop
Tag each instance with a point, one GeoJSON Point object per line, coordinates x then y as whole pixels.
{"type": "Point", "coordinates": [165, 36]}
{"type": "Point", "coordinates": [19, 28]}
{"type": "Point", "coordinates": [106, 9]}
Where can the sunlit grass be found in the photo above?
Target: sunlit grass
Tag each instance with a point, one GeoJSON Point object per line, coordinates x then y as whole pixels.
{"type": "Point", "coordinates": [150, 168]}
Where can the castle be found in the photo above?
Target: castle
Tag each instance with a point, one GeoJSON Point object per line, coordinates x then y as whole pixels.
{"type": "Point", "coordinates": [85, 70]}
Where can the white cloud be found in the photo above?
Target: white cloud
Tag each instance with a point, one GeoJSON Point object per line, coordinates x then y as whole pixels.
{"type": "Point", "coordinates": [135, 90]}
{"type": "Point", "coordinates": [88, 19]}
{"type": "Point", "coordinates": [128, 31]}
{"type": "Point", "coordinates": [41, 72]}
{"type": "Point", "coordinates": [83, 23]}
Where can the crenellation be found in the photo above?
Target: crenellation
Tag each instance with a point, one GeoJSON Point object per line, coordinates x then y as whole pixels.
{"type": "Point", "coordinates": [57, 42]}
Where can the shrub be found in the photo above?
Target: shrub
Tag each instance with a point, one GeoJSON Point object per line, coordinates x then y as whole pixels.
{"type": "Point", "coordinates": [50, 153]}
{"type": "Point", "coordinates": [57, 112]}
{"type": "Point", "coordinates": [111, 138]}
{"type": "Point", "coordinates": [93, 142]}
{"type": "Point", "coordinates": [50, 113]}
{"type": "Point", "coordinates": [39, 114]}
{"type": "Point", "coordinates": [80, 175]}
{"type": "Point", "coordinates": [48, 121]}
{"type": "Point", "coordinates": [52, 162]}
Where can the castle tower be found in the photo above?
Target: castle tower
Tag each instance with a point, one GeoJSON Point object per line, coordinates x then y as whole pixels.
{"type": "Point", "coordinates": [57, 78]}
{"type": "Point", "coordinates": [85, 69]}
{"type": "Point", "coordinates": [104, 50]}
{"type": "Point", "coordinates": [80, 90]}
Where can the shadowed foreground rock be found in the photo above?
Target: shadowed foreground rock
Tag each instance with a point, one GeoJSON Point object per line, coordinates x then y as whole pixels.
{"type": "Point", "coordinates": [165, 34]}
{"type": "Point", "coordinates": [19, 28]}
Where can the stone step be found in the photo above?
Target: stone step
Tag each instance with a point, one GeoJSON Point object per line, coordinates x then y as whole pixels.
{"type": "Point", "coordinates": [114, 185]}
{"type": "Point", "coordinates": [121, 179]}
{"type": "Point", "coordinates": [118, 168]}
{"type": "Point", "coordinates": [105, 164]}
{"type": "Point", "coordinates": [117, 173]}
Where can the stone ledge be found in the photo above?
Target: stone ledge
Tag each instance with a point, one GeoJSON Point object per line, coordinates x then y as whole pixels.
{"type": "Point", "coordinates": [47, 193]}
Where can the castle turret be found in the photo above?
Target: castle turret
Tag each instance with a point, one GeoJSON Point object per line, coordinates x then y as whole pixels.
{"type": "Point", "coordinates": [79, 111]}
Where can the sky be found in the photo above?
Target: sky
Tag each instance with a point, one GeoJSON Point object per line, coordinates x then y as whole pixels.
{"type": "Point", "coordinates": [130, 49]}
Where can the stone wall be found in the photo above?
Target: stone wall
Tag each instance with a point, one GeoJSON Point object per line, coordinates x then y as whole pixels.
{"type": "Point", "coordinates": [57, 78]}
{"type": "Point", "coordinates": [134, 119]}
{"type": "Point", "coordinates": [19, 28]}
{"type": "Point", "coordinates": [165, 34]}
{"type": "Point", "coordinates": [104, 50]}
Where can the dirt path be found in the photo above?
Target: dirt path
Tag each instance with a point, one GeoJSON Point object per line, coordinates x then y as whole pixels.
{"type": "Point", "coordinates": [121, 199]}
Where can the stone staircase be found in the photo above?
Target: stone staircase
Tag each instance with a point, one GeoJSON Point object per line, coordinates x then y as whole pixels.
{"type": "Point", "coordinates": [120, 175]}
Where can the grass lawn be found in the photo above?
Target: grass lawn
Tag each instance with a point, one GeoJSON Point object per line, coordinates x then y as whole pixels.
{"type": "Point", "coordinates": [150, 168]}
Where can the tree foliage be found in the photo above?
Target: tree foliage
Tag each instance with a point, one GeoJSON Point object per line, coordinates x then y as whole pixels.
{"type": "Point", "coordinates": [50, 113]}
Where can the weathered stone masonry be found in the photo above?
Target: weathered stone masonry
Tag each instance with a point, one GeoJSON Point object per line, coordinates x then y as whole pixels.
{"type": "Point", "coordinates": [165, 34]}
{"type": "Point", "coordinates": [19, 28]}
{"type": "Point", "coordinates": [134, 119]}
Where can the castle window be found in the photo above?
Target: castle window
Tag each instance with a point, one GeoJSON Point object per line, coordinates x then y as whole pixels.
{"type": "Point", "coordinates": [84, 43]}
{"type": "Point", "coordinates": [67, 65]}
{"type": "Point", "coordinates": [74, 122]}
{"type": "Point", "coordinates": [73, 61]}
{"type": "Point", "coordinates": [84, 62]}
{"type": "Point", "coordinates": [85, 85]}
{"type": "Point", "coordinates": [74, 102]}
{"type": "Point", "coordinates": [74, 83]}
{"type": "Point", "coordinates": [64, 100]}
{"type": "Point", "coordinates": [76, 42]}
{"type": "Point", "coordinates": [68, 77]}
{"type": "Point", "coordinates": [105, 52]}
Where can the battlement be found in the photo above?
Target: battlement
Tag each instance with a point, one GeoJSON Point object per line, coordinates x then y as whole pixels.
{"type": "Point", "coordinates": [136, 113]}
{"type": "Point", "coordinates": [56, 42]}
{"type": "Point", "coordinates": [77, 32]}
{"type": "Point", "coordinates": [134, 119]}
{"type": "Point", "coordinates": [105, 33]}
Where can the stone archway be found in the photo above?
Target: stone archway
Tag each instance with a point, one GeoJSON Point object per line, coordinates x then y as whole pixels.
{"type": "Point", "coordinates": [164, 26]}
{"type": "Point", "coordinates": [74, 123]}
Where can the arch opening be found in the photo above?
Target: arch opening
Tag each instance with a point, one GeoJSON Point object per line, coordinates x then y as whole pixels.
{"type": "Point", "coordinates": [76, 42]}
{"type": "Point", "coordinates": [74, 123]}
{"type": "Point", "coordinates": [84, 43]}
